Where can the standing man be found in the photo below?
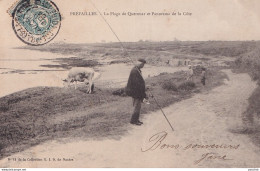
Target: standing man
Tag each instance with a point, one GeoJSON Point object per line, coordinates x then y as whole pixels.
{"type": "Point", "coordinates": [190, 74]}
{"type": "Point", "coordinates": [136, 89]}
{"type": "Point", "coordinates": [203, 76]}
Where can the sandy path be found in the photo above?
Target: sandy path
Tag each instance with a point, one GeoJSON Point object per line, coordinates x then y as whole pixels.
{"type": "Point", "coordinates": [203, 119]}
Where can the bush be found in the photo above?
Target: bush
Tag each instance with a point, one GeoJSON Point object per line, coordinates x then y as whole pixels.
{"type": "Point", "coordinates": [250, 62]}
{"type": "Point", "coordinates": [119, 92]}
{"type": "Point", "coordinates": [169, 85]}
{"type": "Point", "coordinates": [188, 85]}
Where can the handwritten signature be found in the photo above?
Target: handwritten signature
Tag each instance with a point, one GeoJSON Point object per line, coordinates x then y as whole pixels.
{"type": "Point", "coordinates": [211, 156]}
{"type": "Point", "coordinates": [157, 140]}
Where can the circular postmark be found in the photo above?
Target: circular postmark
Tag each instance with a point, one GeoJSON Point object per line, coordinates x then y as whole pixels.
{"type": "Point", "coordinates": [36, 22]}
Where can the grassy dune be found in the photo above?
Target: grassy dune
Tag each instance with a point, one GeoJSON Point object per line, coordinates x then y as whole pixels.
{"type": "Point", "coordinates": [250, 63]}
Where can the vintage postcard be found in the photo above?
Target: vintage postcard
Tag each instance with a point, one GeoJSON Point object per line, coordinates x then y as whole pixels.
{"type": "Point", "coordinates": [130, 84]}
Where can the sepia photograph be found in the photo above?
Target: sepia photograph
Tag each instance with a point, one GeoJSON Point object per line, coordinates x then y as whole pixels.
{"type": "Point", "coordinates": [130, 84]}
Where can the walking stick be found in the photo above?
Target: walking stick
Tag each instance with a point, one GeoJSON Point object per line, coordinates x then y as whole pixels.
{"type": "Point", "coordinates": [161, 110]}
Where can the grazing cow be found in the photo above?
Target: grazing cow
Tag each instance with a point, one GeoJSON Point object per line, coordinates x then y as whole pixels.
{"type": "Point", "coordinates": [81, 74]}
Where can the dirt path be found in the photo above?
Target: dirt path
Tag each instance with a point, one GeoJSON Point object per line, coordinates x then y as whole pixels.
{"type": "Point", "coordinates": [205, 119]}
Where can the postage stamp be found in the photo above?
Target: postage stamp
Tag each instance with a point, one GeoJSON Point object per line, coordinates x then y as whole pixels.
{"type": "Point", "coordinates": [35, 22]}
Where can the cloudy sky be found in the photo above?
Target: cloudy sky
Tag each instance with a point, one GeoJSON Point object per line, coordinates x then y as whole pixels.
{"type": "Point", "coordinates": [210, 20]}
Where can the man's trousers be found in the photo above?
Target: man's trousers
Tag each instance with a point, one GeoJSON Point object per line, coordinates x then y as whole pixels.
{"type": "Point", "coordinates": [137, 107]}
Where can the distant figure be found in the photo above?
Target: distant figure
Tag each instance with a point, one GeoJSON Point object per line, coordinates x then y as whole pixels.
{"type": "Point", "coordinates": [203, 76]}
{"type": "Point", "coordinates": [190, 73]}
{"type": "Point", "coordinates": [136, 89]}
{"type": "Point", "coordinates": [179, 63]}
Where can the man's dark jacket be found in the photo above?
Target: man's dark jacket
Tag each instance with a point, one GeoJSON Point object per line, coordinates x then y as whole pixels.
{"type": "Point", "coordinates": [136, 85]}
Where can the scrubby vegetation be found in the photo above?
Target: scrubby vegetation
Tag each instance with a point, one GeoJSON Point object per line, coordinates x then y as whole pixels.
{"type": "Point", "coordinates": [169, 85]}
{"type": "Point", "coordinates": [156, 53]}
{"type": "Point", "coordinates": [187, 85]}
{"type": "Point", "coordinates": [250, 63]}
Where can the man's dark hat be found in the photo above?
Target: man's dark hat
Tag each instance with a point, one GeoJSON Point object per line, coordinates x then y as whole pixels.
{"type": "Point", "coordinates": [142, 60]}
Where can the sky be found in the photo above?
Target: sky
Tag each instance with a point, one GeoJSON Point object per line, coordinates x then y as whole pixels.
{"type": "Point", "coordinates": [210, 20]}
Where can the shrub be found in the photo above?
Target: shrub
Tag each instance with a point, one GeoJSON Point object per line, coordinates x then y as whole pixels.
{"type": "Point", "coordinates": [250, 62]}
{"type": "Point", "coordinates": [169, 85]}
{"type": "Point", "coordinates": [119, 92]}
{"type": "Point", "coordinates": [188, 85]}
